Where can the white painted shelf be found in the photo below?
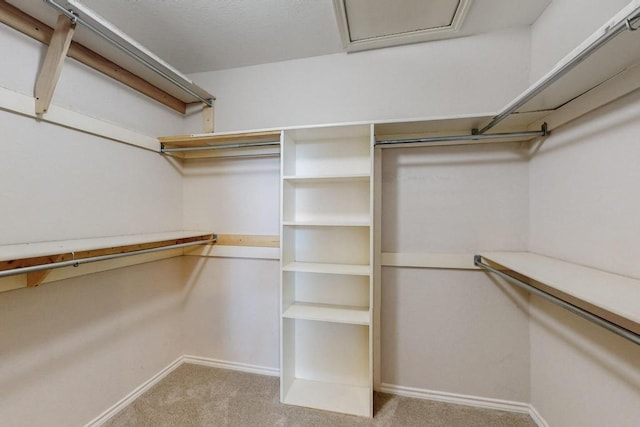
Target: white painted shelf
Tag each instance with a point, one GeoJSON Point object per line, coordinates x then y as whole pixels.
{"type": "Point", "coordinates": [329, 223]}
{"type": "Point", "coordinates": [610, 296]}
{"type": "Point", "coordinates": [326, 178]}
{"type": "Point", "coordinates": [343, 398]}
{"type": "Point", "coordinates": [315, 267]}
{"type": "Point", "coordinates": [328, 313]}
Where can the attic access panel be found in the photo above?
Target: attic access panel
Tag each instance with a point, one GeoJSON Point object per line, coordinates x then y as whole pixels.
{"type": "Point", "coordinates": [370, 24]}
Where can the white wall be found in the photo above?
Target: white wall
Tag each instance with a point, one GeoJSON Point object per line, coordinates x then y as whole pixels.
{"type": "Point", "coordinates": [447, 200]}
{"type": "Point", "coordinates": [72, 348]}
{"type": "Point", "coordinates": [445, 330]}
{"type": "Point", "coordinates": [585, 209]}
{"type": "Point", "coordinates": [232, 310]}
{"type": "Point", "coordinates": [583, 181]}
{"type": "Point", "coordinates": [466, 75]}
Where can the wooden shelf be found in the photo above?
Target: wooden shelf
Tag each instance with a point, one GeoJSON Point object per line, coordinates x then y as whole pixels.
{"type": "Point", "coordinates": [610, 296]}
{"type": "Point", "coordinates": [328, 313]}
{"type": "Point", "coordinates": [42, 253]}
{"type": "Point", "coordinates": [200, 140]}
{"type": "Point", "coordinates": [312, 267]}
{"type": "Point", "coordinates": [348, 399]}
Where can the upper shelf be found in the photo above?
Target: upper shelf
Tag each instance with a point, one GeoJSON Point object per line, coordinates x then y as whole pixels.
{"type": "Point", "coordinates": [607, 295]}
{"type": "Point", "coordinates": [606, 66]}
{"type": "Point", "coordinates": [209, 144]}
{"type": "Point", "coordinates": [43, 256]}
{"type": "Point", "coordinates": [607, 52]}
{"type": "Point", "coordinates": [212, 139]}
{"type": "Point", "coordinates": [112, 52]}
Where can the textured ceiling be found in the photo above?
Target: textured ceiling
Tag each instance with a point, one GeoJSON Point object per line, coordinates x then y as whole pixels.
{"type": "Point", "coordinates": [204, 35]}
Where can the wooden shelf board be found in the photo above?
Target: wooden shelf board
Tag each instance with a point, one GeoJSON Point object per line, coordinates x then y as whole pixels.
{"type": "Point", "coordinates": [328, 313]}
{"type": "Point", "coordinates": [348, 399]}
{"type": "Point", "coordinates": [326, 178]}
{"type": "Point", "coordinates": [200, 140]}
{"type": "Point", "coordinates": [607, 295]}
{"type": "Point", "coordinates": [312, 267]}
{"type": "Point", "coordinates": [32, 254]}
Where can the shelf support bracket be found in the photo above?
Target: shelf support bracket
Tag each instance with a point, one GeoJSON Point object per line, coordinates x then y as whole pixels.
{"type": "Point", "coordinates": [208, 117]}
{"type": "Point", "coordinates": [53, 62]}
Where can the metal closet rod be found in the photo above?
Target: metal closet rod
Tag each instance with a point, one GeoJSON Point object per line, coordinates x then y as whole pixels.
{"type": "Point", "coordinates": [77, 262]}
{"type": "Point", "coordinates": [471, 137]}
{"type": "Point", "coordinates": [149, 62]}
{"type": "Point", "coordinates": [610, 326]}
{"type": "Point", "coordinates": [217, 147]}
{"type": "Point", "coordinates": [627, 24]}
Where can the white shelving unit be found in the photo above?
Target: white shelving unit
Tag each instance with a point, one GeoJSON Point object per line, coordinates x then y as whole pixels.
{"type": "Point", "coordinates": [327, 269]}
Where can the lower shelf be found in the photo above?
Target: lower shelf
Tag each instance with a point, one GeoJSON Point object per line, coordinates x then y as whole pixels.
{"type": "Point", "coordinates": [315, 267]}
{"type": "Point", "coordinates": [348, 399]}
{"type": "Point", "coordinates": [328, 313]}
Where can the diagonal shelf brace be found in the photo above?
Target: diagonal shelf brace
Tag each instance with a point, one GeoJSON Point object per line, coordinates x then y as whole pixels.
{"type": "Point", "coordinates": [53, 62]}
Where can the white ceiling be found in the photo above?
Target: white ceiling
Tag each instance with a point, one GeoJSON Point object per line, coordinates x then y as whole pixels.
{"type": "Point", "coordinates": [204, 35]}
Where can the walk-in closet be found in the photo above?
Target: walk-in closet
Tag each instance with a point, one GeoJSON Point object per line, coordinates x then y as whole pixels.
{"type": "Point", "coordinates": [327, 213]}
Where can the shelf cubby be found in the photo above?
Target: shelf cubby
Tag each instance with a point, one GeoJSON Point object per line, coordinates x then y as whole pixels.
{"type": "Point", "coordinates": [327, 152]}
{"type": "Point", "coordinates": [326, 366]}
{"type": "Point", "coordinates": [338, 201]}
{"type": "Point", "coordinates": [327, 245]}
{"type": "Point", "coordinates": [326, 297]}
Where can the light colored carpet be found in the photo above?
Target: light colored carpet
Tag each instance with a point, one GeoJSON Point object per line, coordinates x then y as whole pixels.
{"type": "Point", "coordinates": [195, 395]}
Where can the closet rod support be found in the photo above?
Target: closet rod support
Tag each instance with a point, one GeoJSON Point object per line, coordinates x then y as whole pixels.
{"type": "Point", "coordinates": [75, 262]}
{"type": "Point", "coordinates": [610, 326]}
{"type": "Point", "coordinates": [471, 137]}
{"type": "Point", "coordinates": [551, 78]}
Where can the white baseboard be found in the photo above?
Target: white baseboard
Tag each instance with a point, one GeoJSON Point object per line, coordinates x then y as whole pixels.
{"type": "Point", "coordinates": [537, 418]}
{"type": "Point", "coordinates": [462, 399]}
{"type": "Point", "coordinates": [129, 398]}
{"type": "Point", "coordinates": [234, 366]}
{"type": "Point", "coordinates": [204, 361]}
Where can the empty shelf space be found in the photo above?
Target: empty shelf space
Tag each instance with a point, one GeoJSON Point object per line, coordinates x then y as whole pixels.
{"type": "Point", "coordinates": [313, 267]}
{"type": "Point", "coordinates": [349, 399]}
{"type": "Point", "coordinates": [328, 313]}
{"type": "Point", "coordinates": [607, 295]}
